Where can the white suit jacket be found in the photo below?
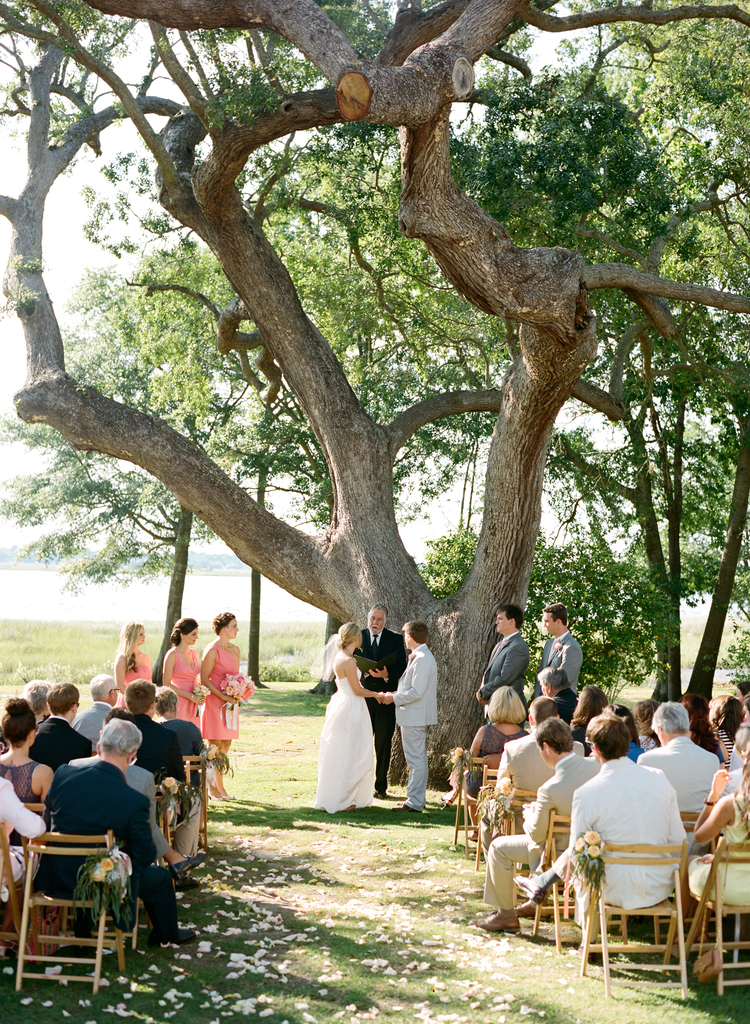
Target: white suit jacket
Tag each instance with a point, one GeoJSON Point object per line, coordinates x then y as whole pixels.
{"type": "Point", "coordinates": [416, 696]}
{"type": "Point", "coordinates": [628, 803]}
{"type": "Point", "coordinates": [522, 763]}
{"type": "Point", "coordinates": [689, 768]}
{"type": "Point", "coordinates": [557, 795]}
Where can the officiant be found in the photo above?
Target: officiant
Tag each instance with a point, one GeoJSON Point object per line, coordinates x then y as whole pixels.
{"type": "Point", "coordinates": [378, 643]}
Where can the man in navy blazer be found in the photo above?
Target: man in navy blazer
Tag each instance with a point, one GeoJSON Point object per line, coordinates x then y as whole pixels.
{"type": "Point", "coordinates": [93, 799]}
{"type": "Point", "coordinates": [56, 741]}
{"type": "Point", "coordinates": [510, 657]}
{"type": "Point", "coordinates": [377, 643]}
{"type": "Point", "coordinates": [160, 751]}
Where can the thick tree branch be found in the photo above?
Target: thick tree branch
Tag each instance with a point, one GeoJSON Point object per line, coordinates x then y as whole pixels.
{"type": "Point", "coordinates": [598, 399]}
{"type": "Point", "coordinates": [604, 481]}
{"type": "Point", "coordinates": [620, 275]}
{"type": "Point", "coordinates": [413, 28]}
{"type": "Point", "coordinates": [8, 207]}
{"type": "Point", "coordinates": [449, 403]}
{"type": "Point", "coordinates": [643, 14]}
{"type": "Point", "coordinates": [511, 59]}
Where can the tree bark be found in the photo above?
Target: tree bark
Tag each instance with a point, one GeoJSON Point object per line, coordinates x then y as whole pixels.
{"type": "Point", "coordinates": [176, 587]}
{"type": "Point", "coordinates": [702, 676]}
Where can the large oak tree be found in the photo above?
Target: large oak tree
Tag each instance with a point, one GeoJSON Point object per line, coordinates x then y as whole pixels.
{"type": "Point", "coordinates": [235, 102]}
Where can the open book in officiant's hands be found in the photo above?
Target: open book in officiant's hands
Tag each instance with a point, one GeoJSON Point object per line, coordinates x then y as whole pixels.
{"type": "Point", "coordinates": [365, 665]}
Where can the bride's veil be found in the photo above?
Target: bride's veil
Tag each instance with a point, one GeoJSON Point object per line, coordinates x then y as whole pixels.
{"type": "Point", "coordinates": [322, 667]}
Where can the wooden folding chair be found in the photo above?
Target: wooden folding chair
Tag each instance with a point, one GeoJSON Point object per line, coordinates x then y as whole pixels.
{"type": "Point", "coordinates": [644, 856]}
{"type": "Point", "coordinates": [14, 896]}
{"type": "Point", "coordinates": [558, 831]}
{"type": "Point", "coordinates": [58, 844]}
{"type": "Point", "coordinates": [712, 901]}
{"type": "Point", "coordinates": [192, 764]}
{"type": "Point", "coordinates": [489, 775]}
{"type": "Point", "coordinates": [477, 765]}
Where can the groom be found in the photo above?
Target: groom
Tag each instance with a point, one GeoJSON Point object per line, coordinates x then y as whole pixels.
{"type": "Point", "coordinates": [416, 708]}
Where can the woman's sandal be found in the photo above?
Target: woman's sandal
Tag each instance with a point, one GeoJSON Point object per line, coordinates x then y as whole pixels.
{"type": "Point", "coordinates": [448, 799]}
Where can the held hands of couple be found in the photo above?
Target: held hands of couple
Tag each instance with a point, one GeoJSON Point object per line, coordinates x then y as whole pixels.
{"type": "Point", "coordinates": [384, 698]}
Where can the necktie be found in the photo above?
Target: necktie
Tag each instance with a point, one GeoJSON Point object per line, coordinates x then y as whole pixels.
{"type": "Point", "coordinates": [375, 644]}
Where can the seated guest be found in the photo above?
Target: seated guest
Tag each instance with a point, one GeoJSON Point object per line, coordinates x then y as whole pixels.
{"type": "Point", "coordinates": [623, 711]}
{"type": "Point", "coordinates": [591, 702]}
{"type": "Point", "coordinates": [725, 715]}
{"type": "Point", "coordinates": [35, 692]}
{"type": "Point", "coordinates": [728, 814]}
{"type": "Point", "coordinates": [30, 780]}
{"type": "Point", "coordinates": [160, 754]}
{"type": "Point", "coordinates": [742, 689]}
{"type": "Point", "coordinates": [142, 781]}
{"type": "Point", "coordinates": [90, 801]}
{"type": "Point", "coordinates": [104, 693]}
{"type": "Point", "coordinates": [23, 822]}
{"type": "Point", "coordinates": [57, 742]}
{"type": "Point", "coordinates": [689, 769]}
{"type": "Point", "coordinates": [625, 803]}
{"type": "Point", "coordinates": [160, 751]}
{"type": "Point", "coordinates": [701, 732]}
{"type": "Point", "coordinates": [554, 683]}
{"type": "Point", "coordinates": [643, 713]}
{"type": "Point", "coordinates": [188, 733]}
{"type": "Point", "coordinates": [741, 748]}
{"type": "Point", "coordinates": [506, 712]}
{"type": "Point", "coordinates": [555, 744]}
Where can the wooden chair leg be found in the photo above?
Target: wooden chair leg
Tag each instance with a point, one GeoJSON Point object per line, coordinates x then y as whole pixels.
{"type": "Point", "coordinates": [587, 938]}
{"type": "Point", "coordinates": [99, 950]}
{"type": "Point", "coordinates": [119, 945]}
{"type": "Point", "coordinates": [458, 817]}
{"type": "Point", "coordinates": [605, 947]}
{"type": "Point", "coordinates": [556, 915]}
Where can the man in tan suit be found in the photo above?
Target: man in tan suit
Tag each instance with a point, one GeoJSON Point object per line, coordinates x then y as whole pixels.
{"type": "Point", "coordinates": [522, 761]}
{"type": "Point", "coordinates": [555, 742]}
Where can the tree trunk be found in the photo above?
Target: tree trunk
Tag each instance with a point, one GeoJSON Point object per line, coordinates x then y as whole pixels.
{"type": "Point", "coordinates": [702, 676]}
{"type": "Point", "coordinates": [253, 639]}
{"type": "Point", "coordinates": [673, 490]}
{"type": "Point", "coordinates": [176, 586]}
{"type": "Point", "coordinates": [326, 687]}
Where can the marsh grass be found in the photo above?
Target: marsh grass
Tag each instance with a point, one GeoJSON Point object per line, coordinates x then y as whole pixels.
{"type": "Point", "coordinates": [75, 652]}
{"type": "Point", "coordinates": [350, 889]}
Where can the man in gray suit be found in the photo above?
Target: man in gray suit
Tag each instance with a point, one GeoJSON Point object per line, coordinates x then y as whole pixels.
{"type": "Point", "coordinates": [416, 708]}
{"type": "Point", "coordinates": [89, 723]}
{"type": "Point", "coordinates": [555, 742]}
{"type": "Point", "coordinates": [561, 650]}
{"type": "Point", "coordinates": [510, 657]}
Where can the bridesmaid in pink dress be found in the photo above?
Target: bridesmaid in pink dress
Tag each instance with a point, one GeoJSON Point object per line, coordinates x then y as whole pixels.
{"type": "Point", "coordinates": [182, 668]}
{"type": "Point", "coordinates": [220, 659]}
{"type": "Point", "coordinates": [131, 662]}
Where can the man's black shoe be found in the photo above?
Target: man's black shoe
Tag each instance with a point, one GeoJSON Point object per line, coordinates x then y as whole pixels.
{"type": "Point", "coordinates": [380, 794]}
{"type": "Point", "coordinates": [183, 935]}
{"type": "Point", "coordinates": [181, 871]}
{"type": "Point", "coordinates": [406, 807]}
{"type": "Point", "coordinates": [189, 883]}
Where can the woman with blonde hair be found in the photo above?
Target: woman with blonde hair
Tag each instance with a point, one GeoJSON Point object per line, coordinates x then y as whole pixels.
{"type": "Point", "coordinates": [131, 662]}
{"type": "Point", "coordinates": [506, 713]}
{"type": "Point", "coordinates": [346, 767]}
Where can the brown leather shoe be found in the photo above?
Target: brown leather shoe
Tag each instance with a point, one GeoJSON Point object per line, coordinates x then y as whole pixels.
{"type": "Point", "coordinates": [527, 909]}
{"type": "Point", "coordinates": [499, 922]}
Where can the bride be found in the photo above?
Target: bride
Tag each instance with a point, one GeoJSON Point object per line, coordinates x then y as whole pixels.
{"type": "Point", "coordinates": [346, 772]}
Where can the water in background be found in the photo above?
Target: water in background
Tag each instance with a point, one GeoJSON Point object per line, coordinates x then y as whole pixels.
{"type": "Point", "coordinates": [38, 594]}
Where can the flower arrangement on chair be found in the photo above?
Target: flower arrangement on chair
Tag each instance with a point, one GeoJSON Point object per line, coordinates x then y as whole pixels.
{"type": "Point", "coordinates": [104, 882]}
{"type": "Point", "coordinates": [587, 862]}
{"type": "Point", "coordinates": [495, 803]}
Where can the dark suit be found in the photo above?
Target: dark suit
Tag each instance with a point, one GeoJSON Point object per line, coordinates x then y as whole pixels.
{"type": "Point", "coordinates": [57, 742]}
{"type": "Point", "coordinates": [160, 752]}
{"type": "Point", "coordinates": [89, 801]}
{"type": "Point", "coordinates": [566, 700]}
{"type": "Point", "coordinates": [383, 716]}
{"type": "Point", "coordinates": [191, 741]}
{"type": "Point", "coordinates": [508, 663]}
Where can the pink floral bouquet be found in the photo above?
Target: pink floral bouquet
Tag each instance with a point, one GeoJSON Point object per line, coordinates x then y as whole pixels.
{"type": "Point", "coordinates": [240, 687]}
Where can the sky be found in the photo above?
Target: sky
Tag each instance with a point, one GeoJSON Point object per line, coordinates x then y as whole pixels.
{"type": "Point", "coordinates": [67, 254]}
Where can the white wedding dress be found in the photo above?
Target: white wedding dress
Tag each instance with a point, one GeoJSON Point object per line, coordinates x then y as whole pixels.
{"type": "Point", "coordinates": [346, 769]}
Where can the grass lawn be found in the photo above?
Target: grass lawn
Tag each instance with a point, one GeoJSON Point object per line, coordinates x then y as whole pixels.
{"type": "Point", "coordinates": [307, 917]}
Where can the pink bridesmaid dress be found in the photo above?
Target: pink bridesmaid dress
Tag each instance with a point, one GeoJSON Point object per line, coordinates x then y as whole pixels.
{"type": "Point", "coordinates": [184, 677]}
{"type": "Point", "coordinates": [212, 722]}
{"type": "Point", "coordinates": [142, 672]}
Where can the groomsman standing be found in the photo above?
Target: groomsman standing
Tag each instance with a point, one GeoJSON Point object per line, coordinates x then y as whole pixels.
{"type": "Point", "coordinates": [561, 650]}
{"type": "Point", "coordinates": [377, 643]}
{"type": "Point", "coordinates": [510, 657]}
